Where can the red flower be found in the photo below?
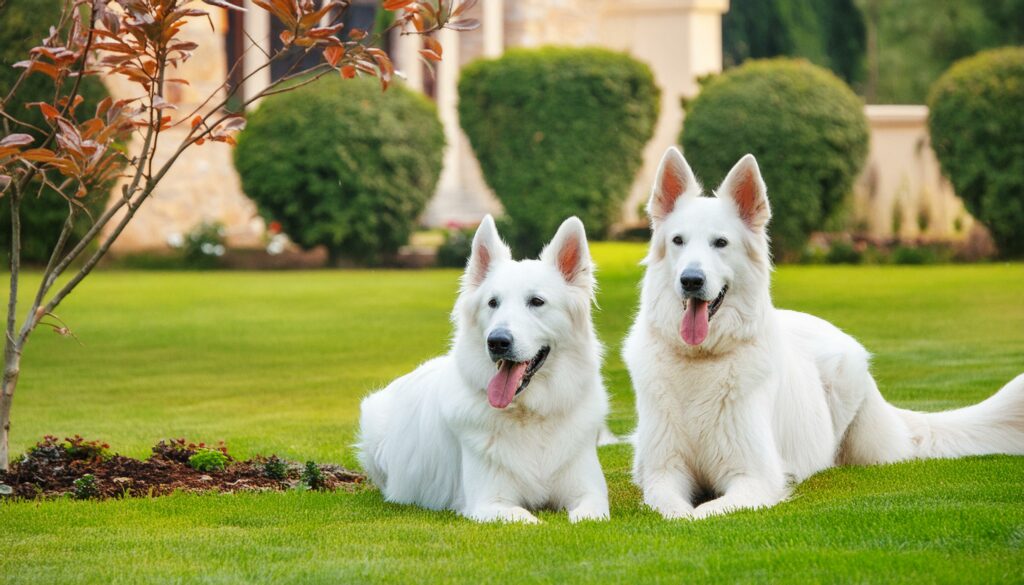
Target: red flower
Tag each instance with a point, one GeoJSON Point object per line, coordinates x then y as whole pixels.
{"type": "Point", "coordinates": [275, 227]}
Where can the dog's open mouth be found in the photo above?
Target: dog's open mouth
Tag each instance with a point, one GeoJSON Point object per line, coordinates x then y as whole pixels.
{"type": "Point", "coordinates": [696, 315]}
{"type": "Point", "coordinates": [512, 378]}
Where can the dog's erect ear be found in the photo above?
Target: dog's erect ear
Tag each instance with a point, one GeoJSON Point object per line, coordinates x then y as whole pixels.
{"type": "Point", "coordinates": [745, 187]}
{"type": "Point", "coordinates": [569, 253]}
{"type": "Point", "coordinates": [674, 179]}
{"type": "Point", "coordinates": [488, 250]}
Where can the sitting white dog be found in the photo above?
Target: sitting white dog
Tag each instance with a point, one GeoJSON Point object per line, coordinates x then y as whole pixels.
{"type": "Point", "coordinates": [508, 421]}
{"type": "Point", "coordinates": [736, 398]}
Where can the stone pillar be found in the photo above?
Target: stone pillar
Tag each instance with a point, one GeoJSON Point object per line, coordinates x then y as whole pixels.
{"type": "Point", "coordinates": [493, 28]}
{"type": "Point", "coordinates": [680, 40]}
{"type": "Point", "coordinates": [257, 28]}
{"type": "Point", "coordinates": [447, 108]}
{"type": "Point", "coordinates": [407, 58]}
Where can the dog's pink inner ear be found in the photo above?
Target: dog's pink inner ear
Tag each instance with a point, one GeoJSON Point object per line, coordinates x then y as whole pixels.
{"type": "Point", "coordinates": [481, 263]}
{"type": "Point", "coordinates": [671, 184]}
{"type": "Point", "coordinates": [748, 198]}
{"type": "Point", "coordinates": [569, 259]}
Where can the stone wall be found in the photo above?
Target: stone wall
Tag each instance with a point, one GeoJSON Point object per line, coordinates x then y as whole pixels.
{"type": "Point", "coordinates": [203, 184]}
{"type": "Point", "coordinates": [901, 191]}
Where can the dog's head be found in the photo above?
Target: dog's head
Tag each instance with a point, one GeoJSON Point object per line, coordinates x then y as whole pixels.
{"type": "Point", "coordinates": [512, 316]}
{"type": "Point", "coordinates": [712, 251]}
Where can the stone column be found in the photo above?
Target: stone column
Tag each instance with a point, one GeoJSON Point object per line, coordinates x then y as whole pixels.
{"type": "Point", "coordinates": [493, 28]}
{"type": "Point", "coordinates": [680, 40]}
{"type": "Point", "coordinates": [447, 108]}
{"type": "Point", "coordinates": [257, 28]}
{"type": "Point", "coordinates": [407, 58]}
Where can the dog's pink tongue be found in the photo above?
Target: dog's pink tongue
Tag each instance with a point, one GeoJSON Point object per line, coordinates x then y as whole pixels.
{"type": "Point", "coordinates": [694, 328]}
{"type": "Point", "coordinates": [502, 388]}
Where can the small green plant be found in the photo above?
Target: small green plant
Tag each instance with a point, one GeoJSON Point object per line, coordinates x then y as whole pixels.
{"type": "Point", "coordinates": [313, 477]}
{"type": "Point", "coordinates": [275, 468]}
{"type": "Point", "coordinates": [80, 449]}
{"type": "Point", "coordinates": [204, 245]}
{"type": "Point", "coordinates": [206, 459]}
{"type": "Point", "coordinates": [85, 487]}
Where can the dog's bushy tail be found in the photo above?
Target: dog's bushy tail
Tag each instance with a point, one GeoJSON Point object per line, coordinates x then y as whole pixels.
{"type": "Point", "coordinates": [883, 433]}
{"type": "Point", "coordinates": [995, 425]}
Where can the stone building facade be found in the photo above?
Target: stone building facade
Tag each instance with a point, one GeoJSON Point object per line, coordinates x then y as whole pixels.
{"type": "Point", "coordinates": [679, 39]}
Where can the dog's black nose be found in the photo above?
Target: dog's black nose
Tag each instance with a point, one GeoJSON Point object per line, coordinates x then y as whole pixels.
{"type": "Point", "coordinates": [499, 342]}
{"type": "Point", "coordinates": [692, 280]}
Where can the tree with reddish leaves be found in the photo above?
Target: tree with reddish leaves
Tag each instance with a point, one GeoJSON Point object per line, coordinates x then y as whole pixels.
{"type": "Point", "coordinates": [140, 40]}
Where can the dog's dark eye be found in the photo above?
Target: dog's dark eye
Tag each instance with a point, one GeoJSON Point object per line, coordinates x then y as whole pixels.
{"type": "Point", "coordinates": [493, 303]}
{"type": "Point", "coordinates": [720, 243]}
{"type": "Point", "coordinates": [536, 302]}
{"type": "Point", "coordinates": [678, 240]}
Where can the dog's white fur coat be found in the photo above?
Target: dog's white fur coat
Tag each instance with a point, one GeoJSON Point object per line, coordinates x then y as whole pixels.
{"type": "Point", "coordinates": [769, 396]}
{"type": "Point", "coordinates": [431, 437]}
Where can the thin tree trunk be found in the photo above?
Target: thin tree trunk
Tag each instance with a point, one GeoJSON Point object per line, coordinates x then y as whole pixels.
{"type": "Point", "coordinates": [10, 381]}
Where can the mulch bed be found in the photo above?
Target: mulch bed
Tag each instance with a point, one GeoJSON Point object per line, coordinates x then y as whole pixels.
{"type": "Point", "coordinates": [52, 468]}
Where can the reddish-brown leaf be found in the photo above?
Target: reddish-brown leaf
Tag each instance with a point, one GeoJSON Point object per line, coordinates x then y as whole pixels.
{"type": "Point", "coordinates": [432, 44]}
{"type": "Point", "coordinates": [348, 72]}
{"type": "Point", "coordinates": [333, 55]}
{"type": "Point", "coordinates": [464, 24]}
{"type": "Point", "coordinates": [197, 121]}
{"type": "Point", "coordinates": [16, 140]}
{"type": "Point", "coordinates": [39, 155]}
{"type": "Point", "coordinates": [463, 7]}
{"type": "Point", "coordinates": [396, 4]}
{"type": "Point", "coordinates": [287, 37]}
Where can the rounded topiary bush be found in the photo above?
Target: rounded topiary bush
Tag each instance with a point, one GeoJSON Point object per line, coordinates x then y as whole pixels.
{"type": "Point", "coordinates": [804, 125]}
{"type": "Point", "coordinates": [340, 164]}
{"type": "Point", "coordinates": [558, 132]}
{"type": "Point", "coordinates": [976, 119]}
{"type": "Point", "coordinates": [23, 25]}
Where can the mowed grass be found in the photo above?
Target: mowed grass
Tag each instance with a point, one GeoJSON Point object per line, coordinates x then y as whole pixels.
{"type": "Point", "coordinates": [277, 363]}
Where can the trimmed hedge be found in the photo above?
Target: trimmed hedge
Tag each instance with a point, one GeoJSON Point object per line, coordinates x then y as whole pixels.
{"type": "Point", "coordinates": [804, 125]}
{"type": "Point", "coordinates": [341, 164]}
{"type": "Point", "coordinates": [558, 132]}
{"type": "Point", "coordinates": [23, 25]}
{"type": "Point", "coordinates": [976, 120]}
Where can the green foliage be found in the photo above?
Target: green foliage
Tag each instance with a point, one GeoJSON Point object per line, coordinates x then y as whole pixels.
{"type": "Point", "coordinates": [23, 25]}
{"type": "Point", "coordinates": [275, 468]}
{"type": "Point", "coordinates": [458, 244]}
{"type": "Point", "coordinates": [829, 33]}
{"type": "Point", "coordinates": [919, 39]}
{"type": "Point", "coordinates": [85, 487]}
{"type": "Point", "coordinates": [558, 132]}
{"type": "Point", "coordinates": [976, 120]}
{"type": "Point", "coordinates": [80, 449]}
{"type": "Point", "coordinates": [206, 459]}
{"type": "Point", "coordinates": [804, 125]}
{"type": "Point", "coordinates": [341, 164]}
{"type": "Point", "coordinates": [204, 245]}
{"type": "Point", "coordinates": [313, 477]}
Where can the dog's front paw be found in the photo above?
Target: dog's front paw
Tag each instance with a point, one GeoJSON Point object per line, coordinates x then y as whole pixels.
{"type": "Point", "coordinates": [588, 512]}
{"type": "Point", "coordinates": [513, 514]}
{"type": "Point", "coordinates": [712, 508]}
{"type": "Point", "coordinates": [676, 512]}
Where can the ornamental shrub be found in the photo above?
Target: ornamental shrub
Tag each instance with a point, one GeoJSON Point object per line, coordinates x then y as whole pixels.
{"type": "Point", "coordinates": [340, 164]}
{"type": "Point", "coordinates": [804, 125]}
{"type": "Point", "coordinates": [558, 132]}
{"type": "Point", "coordinates": [976, 120]}
{"type": "Point", "coordinates": [23, 25]}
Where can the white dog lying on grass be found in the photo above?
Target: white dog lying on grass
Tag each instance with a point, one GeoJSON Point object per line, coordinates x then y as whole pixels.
{"type": "Point", "coordinates": [508, 421]}
{"type": "Point", "coordinates": [734, 397]}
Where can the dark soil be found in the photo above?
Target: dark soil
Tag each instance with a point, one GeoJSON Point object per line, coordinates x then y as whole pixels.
{"type": "Point", "coordinates": [51, 468]}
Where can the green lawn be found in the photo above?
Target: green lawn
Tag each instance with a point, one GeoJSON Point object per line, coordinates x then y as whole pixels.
{"type": "Point", "coordinates": [277, 363]}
